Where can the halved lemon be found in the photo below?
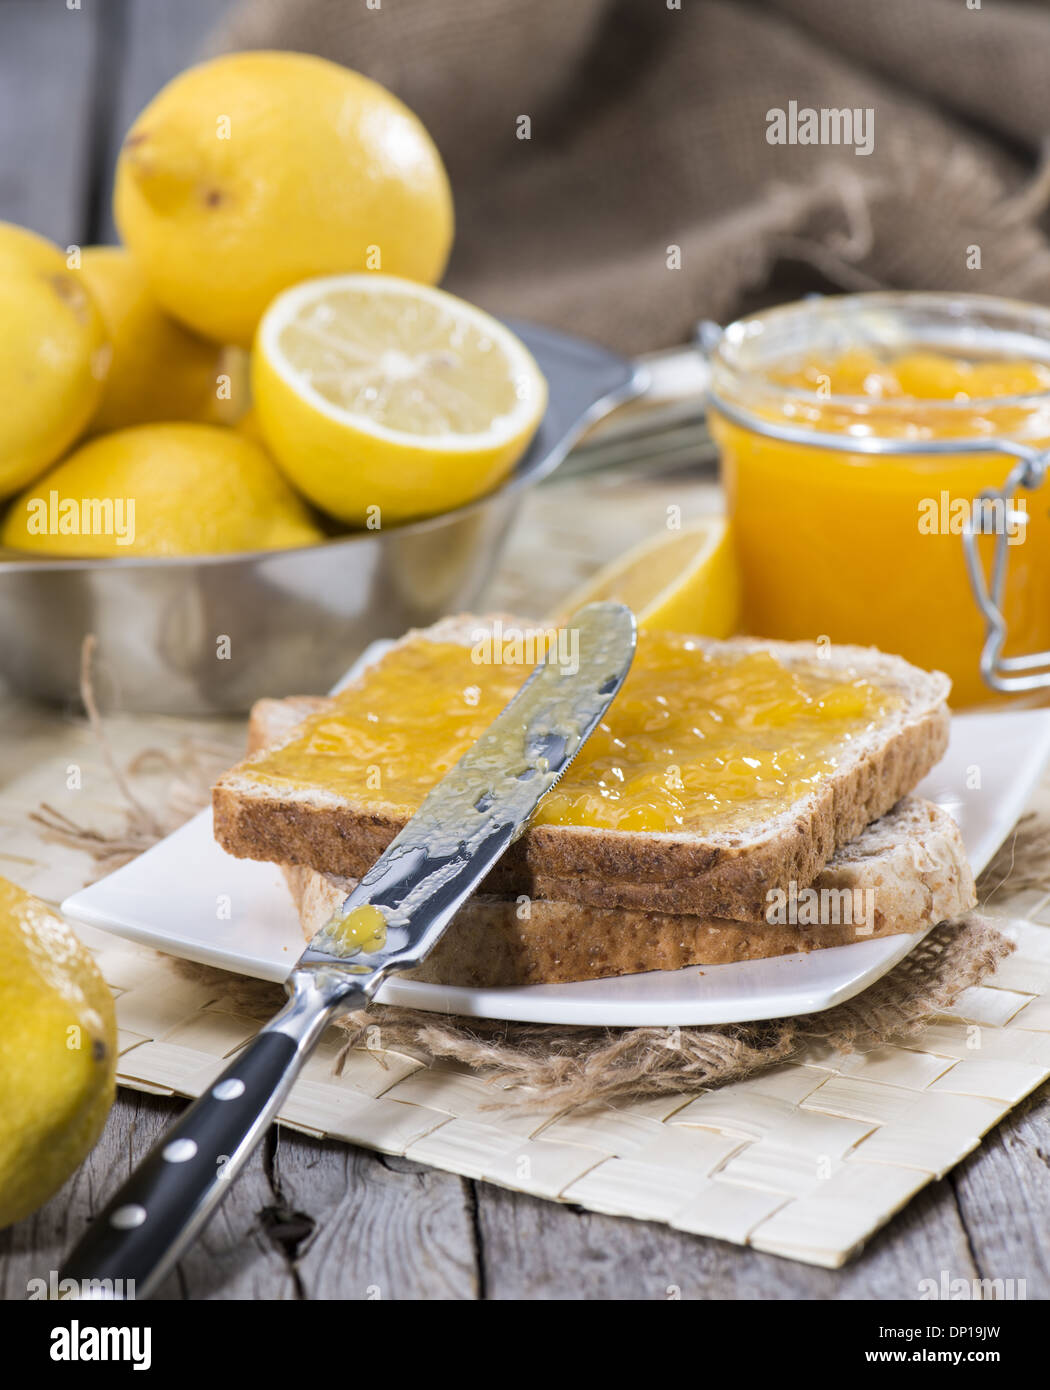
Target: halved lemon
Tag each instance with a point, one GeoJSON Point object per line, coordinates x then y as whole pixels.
{"type": "Point", "coordinates": [682, 581]}
{"type": "Point", "coordinates": [383, 399]}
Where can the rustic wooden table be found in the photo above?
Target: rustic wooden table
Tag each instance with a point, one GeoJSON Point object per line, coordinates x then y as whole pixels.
{"type": "Point", "coordinates": [319, 1219]}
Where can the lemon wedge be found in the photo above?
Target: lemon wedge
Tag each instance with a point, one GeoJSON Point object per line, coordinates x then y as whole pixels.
{"type": "Point", "coordinates": [680, 581]}
{"type": "Point", "coordinates": [383, 399]}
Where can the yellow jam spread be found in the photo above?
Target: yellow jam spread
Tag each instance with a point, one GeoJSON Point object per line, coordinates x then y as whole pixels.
{"type": "Point", "coordinates": [689, 739]}
{"type": "Point", "coordinates": [362, 929]}
{"type": "Point", "coordinates": [868, 549]}
{"type": "Point", "coordinates": [917, 376]}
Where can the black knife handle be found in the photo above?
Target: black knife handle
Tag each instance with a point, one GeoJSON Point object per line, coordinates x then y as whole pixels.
{"type": "Point", "coordinates": [167, 1199]}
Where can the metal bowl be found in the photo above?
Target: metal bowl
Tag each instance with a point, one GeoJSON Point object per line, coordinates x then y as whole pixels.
{"type": "Point", "coordinates": [210, 634]}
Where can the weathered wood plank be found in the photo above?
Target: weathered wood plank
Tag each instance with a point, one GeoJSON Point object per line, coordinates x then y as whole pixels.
{"type": "Point", "coordinates": [236, 1255]}
{"type": "Point", "coordinates": [234, 1258]}
{"type": "Point", "coordinates": [317, 1219]}
{"type": "Point", "coordinates": [48, 56]}
{"type": "Point", "coordinates": [533, 1249]}
{"type": "Point", "coordinates": [385, 1228]}
{"type": "Point", "coordinates": [158, 39]}
{"type": "Point", "coordinates": [1003, 1190]}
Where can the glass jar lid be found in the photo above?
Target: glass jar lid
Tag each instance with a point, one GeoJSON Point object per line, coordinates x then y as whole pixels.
{"type": "Point", "coordinates": [765, 369]}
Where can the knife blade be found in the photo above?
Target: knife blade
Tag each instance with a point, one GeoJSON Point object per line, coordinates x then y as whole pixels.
{"type": "Point", "coordinates": [390, 921]}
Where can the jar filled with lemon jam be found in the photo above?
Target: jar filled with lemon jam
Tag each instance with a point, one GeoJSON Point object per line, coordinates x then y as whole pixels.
{"type": "Point", "coordinates": [842, 541]}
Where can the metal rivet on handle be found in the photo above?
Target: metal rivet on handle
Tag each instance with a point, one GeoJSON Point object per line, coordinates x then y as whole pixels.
{"type": "Point", "coordinates": [228, 1090]}
{"type": "Point", "coordinates": [179, 1150]}
{"type": "Point", "coordinates": [127, 1218]}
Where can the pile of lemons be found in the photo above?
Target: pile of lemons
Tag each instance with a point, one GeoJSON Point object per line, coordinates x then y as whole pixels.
{"type": "Point", "coordinates": [265, 359]}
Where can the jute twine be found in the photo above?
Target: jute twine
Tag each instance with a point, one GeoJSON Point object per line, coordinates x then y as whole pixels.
{"type": "Point", "coordinates": [545, 1066]}
{"type": "Point", "coordinates": [540, 1066]}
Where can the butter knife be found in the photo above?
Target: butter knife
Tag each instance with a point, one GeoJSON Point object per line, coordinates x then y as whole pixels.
{"type": "Point", "coordinates": [390, 922]}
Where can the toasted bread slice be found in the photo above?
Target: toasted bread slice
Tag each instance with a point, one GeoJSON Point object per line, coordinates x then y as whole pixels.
{"type": "Point", "coordinates": [722, 873]}
{"type": "Point", "coordinates": [911, 863]}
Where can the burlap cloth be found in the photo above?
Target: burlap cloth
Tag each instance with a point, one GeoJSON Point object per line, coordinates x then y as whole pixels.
{"type": "Point", "coordinates": [539, 1065]}
{"type": "Point", "coordinates": [648, 131]}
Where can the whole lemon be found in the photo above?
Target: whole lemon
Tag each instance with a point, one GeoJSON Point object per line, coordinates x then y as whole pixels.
{"type": "Point", "coordinates": [232, 400]}
{"type": "Point", "coordinates": [171, 489]}
{"type": "Point", "coordinates": [254, 171]}
{"type": "Point", "coordinates": [159, 371]}
{"type": "Point", "coordinates": [58, 1052]}
{"type": "Point", "coordinates": [53, 356]}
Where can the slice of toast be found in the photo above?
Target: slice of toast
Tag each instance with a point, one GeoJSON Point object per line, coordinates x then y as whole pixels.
{"type": "Point", "coordinates": [722, 873]}
{"type": "Point", "coordinates": [911, 861]}
{"type": "Point", "coordinates": [905, 872]}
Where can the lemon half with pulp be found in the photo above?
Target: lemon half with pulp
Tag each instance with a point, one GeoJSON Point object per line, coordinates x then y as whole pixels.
{"type": "Point", "coordinates": [385, 400]}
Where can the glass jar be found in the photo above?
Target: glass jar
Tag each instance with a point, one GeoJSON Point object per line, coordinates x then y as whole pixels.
{"type": "Point", "coordinates": [850, 509]}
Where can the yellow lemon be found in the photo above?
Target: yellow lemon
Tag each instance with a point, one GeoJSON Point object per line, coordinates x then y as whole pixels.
{"type": "Point", "coordinates": [384, 400]}
{"type": "Point", "coordinates": [251, 172]}
{"type": "Point", "coordinates": [680, 581]}
{"type": "Point", "coordinates": [159, 371]}
{"type": "Point", "coordinates": [248, 425]}
{"type": "Point", "coordinates": [53, 356]}
{"type": "Point", "coordinates": [232, 401]}
{"type": "Point", "coordinates": [58, 1052]}
{"type": "Point", "coordinates": [173, 489]}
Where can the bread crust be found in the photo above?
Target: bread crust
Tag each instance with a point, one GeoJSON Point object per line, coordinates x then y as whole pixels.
{"type": "Point", "coordinates": [488, 946]}
{"type": "Point", "coordinates": [912, 862]}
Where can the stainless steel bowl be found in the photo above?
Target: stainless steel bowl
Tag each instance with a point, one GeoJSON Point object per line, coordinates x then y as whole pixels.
{"type": "Point", "coordinates": [290, 620]}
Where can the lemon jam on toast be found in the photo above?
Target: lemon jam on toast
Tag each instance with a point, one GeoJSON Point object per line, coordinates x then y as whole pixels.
{"type": "Point", "coordinates": [693, 736]}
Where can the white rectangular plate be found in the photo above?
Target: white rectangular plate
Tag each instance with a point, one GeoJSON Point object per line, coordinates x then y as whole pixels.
{"type": "Point", "coordinates": [174, 898]}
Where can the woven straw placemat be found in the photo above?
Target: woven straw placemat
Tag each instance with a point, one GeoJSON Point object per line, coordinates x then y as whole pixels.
{"type": "Point", "coordinates": [806, 1160]}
